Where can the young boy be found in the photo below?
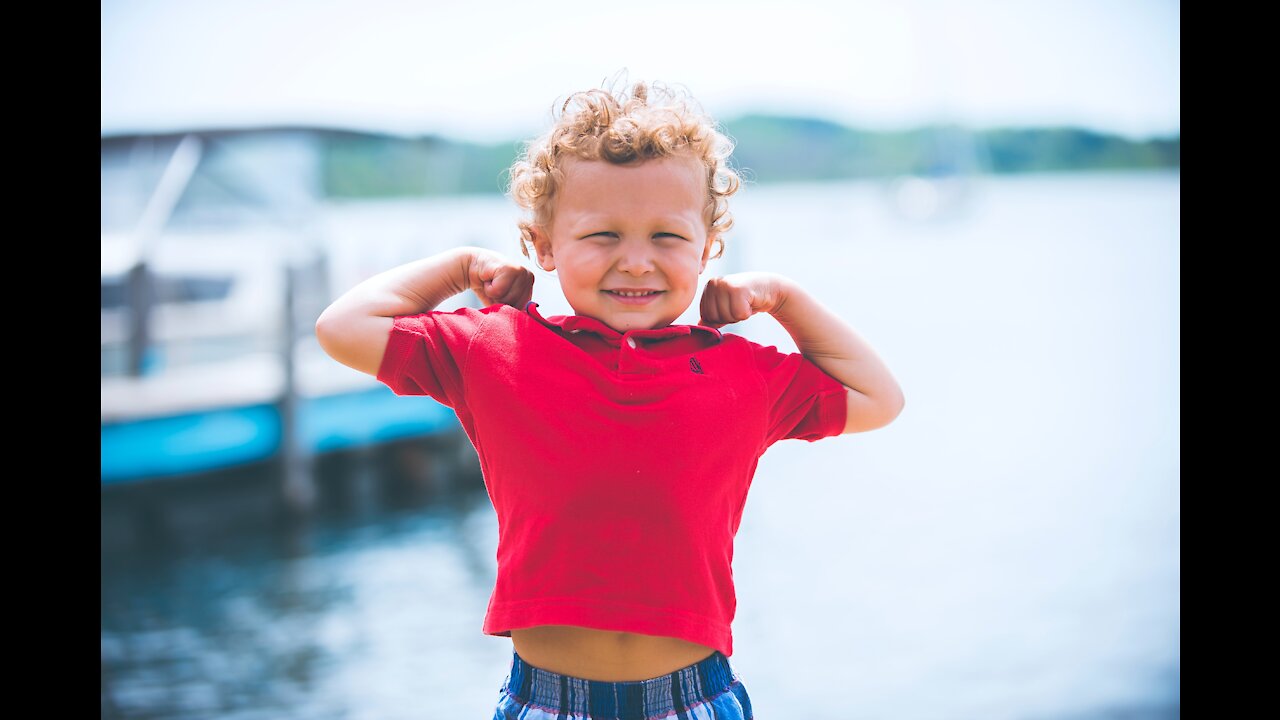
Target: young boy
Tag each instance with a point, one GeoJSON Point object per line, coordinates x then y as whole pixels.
{"type": "Point", "coordinates": [616, 447]}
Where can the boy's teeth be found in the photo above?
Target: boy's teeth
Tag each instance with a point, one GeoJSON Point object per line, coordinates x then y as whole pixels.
{"type": "Point", "coordinates": [632, 294]}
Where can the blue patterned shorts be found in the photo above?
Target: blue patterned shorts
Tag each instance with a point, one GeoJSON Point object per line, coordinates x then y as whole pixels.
{"type": "Point", "coordinates": [706, 690]}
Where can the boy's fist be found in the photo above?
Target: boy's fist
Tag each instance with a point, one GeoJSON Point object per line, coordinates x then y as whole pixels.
{"type": "Point", "coordinates": [734, 298]}
{"type": "Point", "coordinates": [495, 279]}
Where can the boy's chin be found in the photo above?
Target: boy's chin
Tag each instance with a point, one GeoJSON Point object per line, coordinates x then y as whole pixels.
{"type": "Point", "coordinates": [625, 323]}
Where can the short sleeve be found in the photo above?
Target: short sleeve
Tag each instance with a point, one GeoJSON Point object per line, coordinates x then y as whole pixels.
{"type": "Point", "coordinates": [426, 354]}
{"type": "Point", "coordinates": [804, 402]}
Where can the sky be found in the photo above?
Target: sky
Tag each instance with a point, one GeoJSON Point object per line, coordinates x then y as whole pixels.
{"type": "Point", "coordinates": [492, 71]}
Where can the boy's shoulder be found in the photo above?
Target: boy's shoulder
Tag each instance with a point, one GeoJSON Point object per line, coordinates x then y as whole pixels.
{"type": "Point", "coordinates": [452, 327]}
{"type": "Point", "coordinates": [468, 315]}
{"type": "Point", "coordinates": [743, 341]}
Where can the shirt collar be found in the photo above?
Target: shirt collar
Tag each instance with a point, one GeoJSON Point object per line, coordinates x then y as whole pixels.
{"type": "Point", "coordinates": [583, 323]}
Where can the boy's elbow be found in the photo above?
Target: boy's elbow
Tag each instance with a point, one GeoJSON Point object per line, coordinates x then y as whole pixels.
{"type": "Point", "coordinates": [322, 328]}
{"type": "Point", "coordinates": [895, 407]}
{"type": "Point", "coordinates": [864, 413]}
{"type": "Point", "coordinates": [355, 340]}
{"type": "Point", "coordinates": [328, 330]}
{"type": "Point", "coordinates": [892, 406]}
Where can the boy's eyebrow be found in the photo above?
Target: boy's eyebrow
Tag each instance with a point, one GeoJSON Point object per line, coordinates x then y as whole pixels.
{"type": "Point", "coordinates": [581, 222]}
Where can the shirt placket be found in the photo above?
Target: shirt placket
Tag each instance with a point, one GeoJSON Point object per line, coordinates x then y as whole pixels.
{"type": "Point", "coordinates": [630, 359]}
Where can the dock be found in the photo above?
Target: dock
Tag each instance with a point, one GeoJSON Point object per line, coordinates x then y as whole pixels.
{"type": "Point", "coordinates": [211, 373]}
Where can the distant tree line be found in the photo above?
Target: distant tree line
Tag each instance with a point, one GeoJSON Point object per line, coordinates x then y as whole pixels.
{"type": "Point", "coordinates": [768, 149]}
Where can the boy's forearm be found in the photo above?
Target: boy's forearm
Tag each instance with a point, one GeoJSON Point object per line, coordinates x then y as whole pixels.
{"type": "Point", "coordinates": [411, 288]}
{"type": "Point", "coordinates": [353, 330]}
{"type": "Point", "coordinates": [831, 344]}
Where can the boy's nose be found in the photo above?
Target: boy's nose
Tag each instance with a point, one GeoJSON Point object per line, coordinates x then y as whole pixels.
{"type": "Point", "coordinates": [635, 258]}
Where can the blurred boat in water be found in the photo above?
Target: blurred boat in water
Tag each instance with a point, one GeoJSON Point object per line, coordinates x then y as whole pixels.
{"type": "Point", "coordinates": [214, 386]}
{"type": "Point", "coordinates": [208, 357]}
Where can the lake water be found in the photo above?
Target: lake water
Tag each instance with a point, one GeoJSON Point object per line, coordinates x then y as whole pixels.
{"type": "Point", "coordinates": [1007, 549]}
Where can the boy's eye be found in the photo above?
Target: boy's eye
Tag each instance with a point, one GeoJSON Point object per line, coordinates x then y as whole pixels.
{"type": "Point", "coordinates": [613, 235]}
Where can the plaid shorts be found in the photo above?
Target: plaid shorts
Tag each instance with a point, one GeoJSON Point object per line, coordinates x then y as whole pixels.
{"type": "Point", "coordinates": [706, 690]}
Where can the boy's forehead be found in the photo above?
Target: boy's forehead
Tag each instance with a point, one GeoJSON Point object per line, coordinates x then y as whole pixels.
{"type": "Point", "coordinates": [672, 181]}
{"type": "Point", "coordinates": [588, 172]}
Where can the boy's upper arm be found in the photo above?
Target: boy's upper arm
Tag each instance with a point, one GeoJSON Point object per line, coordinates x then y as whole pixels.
{"type": "Point", "coordinates": [862, 413]}
{"type": "Point", "coordinates": [804, 402]}
{"type": "Point", "coordinates": [358, 342]}
{"type": "Point", "coordinates": [426, 354]}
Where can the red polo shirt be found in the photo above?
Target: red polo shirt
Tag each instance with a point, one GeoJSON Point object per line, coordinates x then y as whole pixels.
{"type": "Point", "coordinates": [618, 463]}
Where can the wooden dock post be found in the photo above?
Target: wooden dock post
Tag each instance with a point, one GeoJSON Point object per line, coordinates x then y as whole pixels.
{"type": "Point", "coordinates": [140, 296]}
{"type": "Point", "coordinates": [155, 216]}
{"type": "Point", "coordinates": [299, 487]}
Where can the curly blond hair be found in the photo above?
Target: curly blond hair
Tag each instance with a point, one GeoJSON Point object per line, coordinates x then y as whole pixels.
{"type": "Point", "coordinates": [649, 121]}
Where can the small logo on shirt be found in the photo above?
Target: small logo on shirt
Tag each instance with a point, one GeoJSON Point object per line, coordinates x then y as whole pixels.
{"type": "Point", "coordinates": [695, 366]}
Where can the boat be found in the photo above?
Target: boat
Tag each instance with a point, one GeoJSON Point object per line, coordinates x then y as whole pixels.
{"type": "Point", "coordinates": [209, 360]}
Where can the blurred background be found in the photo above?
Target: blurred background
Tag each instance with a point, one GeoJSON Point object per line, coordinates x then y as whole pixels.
{"type": "Point", "coordinates": [987, 191]}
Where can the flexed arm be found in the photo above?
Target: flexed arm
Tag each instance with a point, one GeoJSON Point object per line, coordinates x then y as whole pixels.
{"type": "Point", "coordinates": [354, 329]}
{"type": "Point", "coordinates": [873, 395]}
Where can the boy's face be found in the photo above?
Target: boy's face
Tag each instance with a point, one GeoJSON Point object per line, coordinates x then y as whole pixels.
{"type": "Point", "coordinates": [628, 242]}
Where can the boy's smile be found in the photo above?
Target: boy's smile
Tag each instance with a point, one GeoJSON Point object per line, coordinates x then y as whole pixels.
{"type": "Point", "coordinates": [628, 242]}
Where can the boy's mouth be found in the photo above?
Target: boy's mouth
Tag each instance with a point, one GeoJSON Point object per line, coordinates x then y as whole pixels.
{"type": "Point", "coordinates": [633, 297]}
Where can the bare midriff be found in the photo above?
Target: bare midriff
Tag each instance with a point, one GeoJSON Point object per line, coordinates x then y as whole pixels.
{"type": "Point", "coordinates": [604, 654]}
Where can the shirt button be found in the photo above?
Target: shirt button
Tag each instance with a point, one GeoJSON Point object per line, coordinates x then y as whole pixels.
{"type": "Point", "coordinates": [631, 342]}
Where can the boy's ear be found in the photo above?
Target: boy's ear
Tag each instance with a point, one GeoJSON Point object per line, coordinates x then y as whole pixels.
{"type": "Point", "coordinates": [542, 247]}
{"type": "Point", "coordinates": [712, 238]}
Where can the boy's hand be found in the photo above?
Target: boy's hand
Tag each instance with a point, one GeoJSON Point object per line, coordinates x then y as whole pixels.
{"type": "Point", "coordinates": [734, 298]}
{"type": "Point", "coordinates": [495, 279]}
